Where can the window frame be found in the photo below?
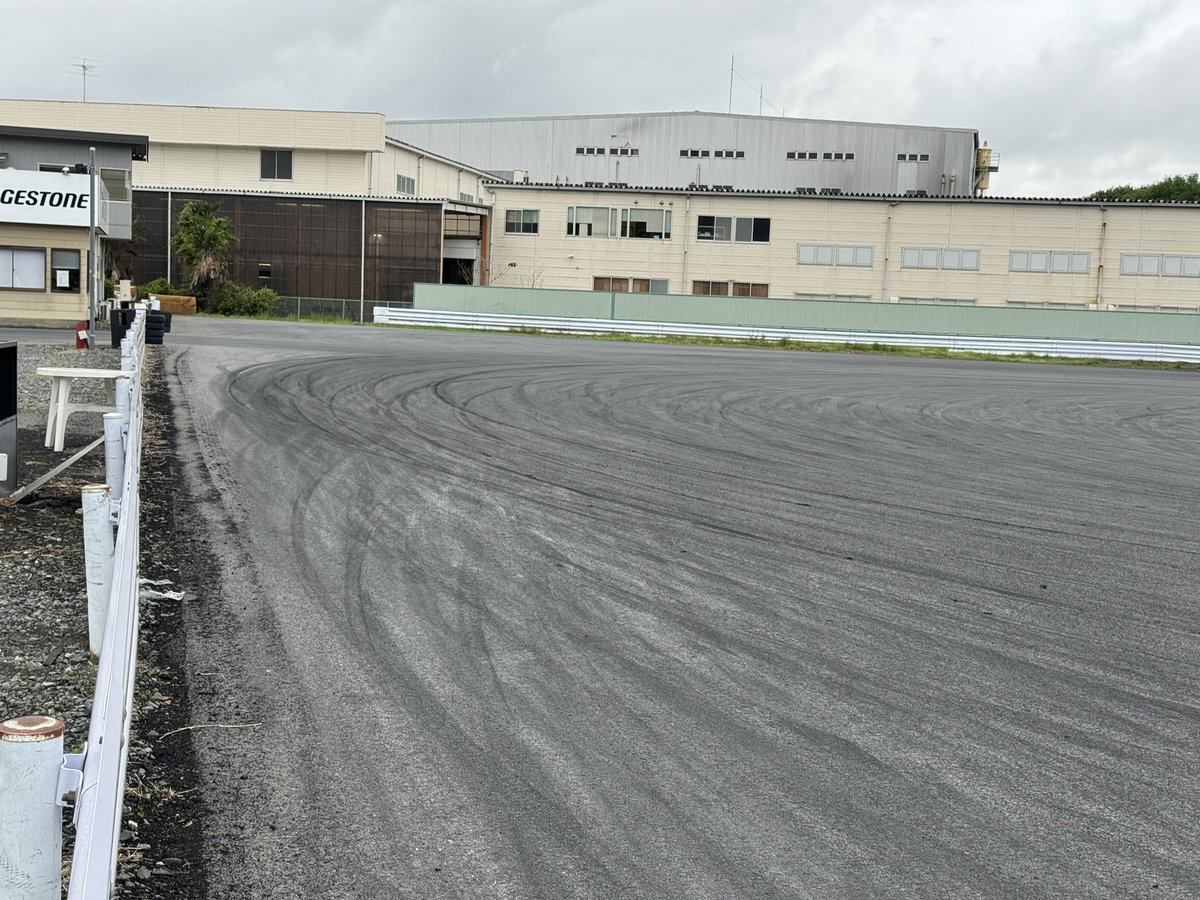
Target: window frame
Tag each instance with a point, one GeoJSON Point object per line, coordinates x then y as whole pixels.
{"type": "Point", "coordinates": [275, 159]}
{"type": "Point", "coordinates": [12, 251]}
{"type": "Point", "coordinates": [74, 278]}
{"type": "Point", "coordinates": [523, 221]}
{"type": "Point", "coordinates": [573, 225]}
{"type": "Point", "coordinates": [1042, 262]}
{"type": "Point", "coordinates": [831, 254]}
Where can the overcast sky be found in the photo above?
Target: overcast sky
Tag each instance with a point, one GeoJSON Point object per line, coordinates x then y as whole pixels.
{"type": "Point", "coordinates": [1075, 95]}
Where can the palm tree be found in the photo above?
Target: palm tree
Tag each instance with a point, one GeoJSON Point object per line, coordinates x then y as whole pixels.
{"type": "Point", "coordinates": [202, 240]}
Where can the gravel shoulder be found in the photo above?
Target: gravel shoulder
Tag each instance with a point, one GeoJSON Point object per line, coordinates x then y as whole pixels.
{"type": "Point", "coordinates": [44, 662]}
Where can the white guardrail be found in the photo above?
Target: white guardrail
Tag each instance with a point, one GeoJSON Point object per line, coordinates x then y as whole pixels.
{"type": "Point", "coordinates": [35, 777]}
{"type": "Point", "coordinates": [998, 345]}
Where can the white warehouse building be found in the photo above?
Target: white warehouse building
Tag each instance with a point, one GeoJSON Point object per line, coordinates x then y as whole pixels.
{"type": "Point", "coordinates": [718, 151]}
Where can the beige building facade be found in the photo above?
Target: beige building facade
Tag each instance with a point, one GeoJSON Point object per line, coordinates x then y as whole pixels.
{"type": "Point", "coordinates": [970, 251]}
{"type": "Point", "coordinates": [274, 150]}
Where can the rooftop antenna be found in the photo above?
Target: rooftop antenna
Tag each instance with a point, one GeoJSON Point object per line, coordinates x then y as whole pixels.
{"type": "Point", "coordinates": [84, 67]}
{"type": "Point", "coordinates": [730, 109]}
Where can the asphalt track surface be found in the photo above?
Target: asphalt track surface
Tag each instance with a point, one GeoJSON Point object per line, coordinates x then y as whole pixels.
{"type": "Point", "coordinates": [549, 618]}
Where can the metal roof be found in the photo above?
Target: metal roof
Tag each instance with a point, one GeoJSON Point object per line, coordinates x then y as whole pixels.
{"type": "Point", "coordinates": [907, 198]}
{"type": "Point", "coordinates": [139, 143]}
{"type": "Point", "coordinates": [431, 155]}
{"type": "Point", "coordinates": [309, 195]}
{"type": "Point", "coordinates": [677, 114]}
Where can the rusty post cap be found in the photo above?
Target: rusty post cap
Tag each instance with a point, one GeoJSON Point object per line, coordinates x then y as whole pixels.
{"type": "Point", "coordinates": [31, 729]}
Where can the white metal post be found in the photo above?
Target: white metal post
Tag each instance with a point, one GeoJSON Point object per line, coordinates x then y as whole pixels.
{"type": "Point", "coordinates": [124, 385]}
{"type": "Point", "coordinates": [114, 453]}
{"type": "Point", "coordinates": [97, 559]}
{"type": "Point", "coordinates": [95, 266]}
{"type": "Point", "coordinates": [31, 755]}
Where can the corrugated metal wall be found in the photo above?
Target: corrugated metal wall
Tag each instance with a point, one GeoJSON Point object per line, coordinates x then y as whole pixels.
{"type": "Point", "coordinates": [548, 149]}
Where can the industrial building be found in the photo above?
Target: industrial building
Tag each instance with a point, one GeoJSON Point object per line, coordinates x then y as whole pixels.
{"type": "Point", "coordinates": [716, 151]}
{"type": "Point", "coordinates": [1075, 254]}
{"type": "Point", "coordinates": [48, 207]}
{"type": "Point", "coordinates": [346, 206]}
{"type": "Point", "coordinates": [324, 204]}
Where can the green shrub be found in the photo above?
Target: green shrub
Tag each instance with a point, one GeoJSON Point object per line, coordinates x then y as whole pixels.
{"type": "Point", "coordinates": [157, 286]}
{"type": "Point", "coordinates": [239, 300]}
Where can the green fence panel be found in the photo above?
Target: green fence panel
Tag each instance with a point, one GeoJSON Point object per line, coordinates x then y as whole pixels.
{"type": "Point", "coordinates": [819, 315]}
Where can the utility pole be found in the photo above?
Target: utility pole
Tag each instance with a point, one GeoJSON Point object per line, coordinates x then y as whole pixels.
{"type": "Point", "coordinates": [95, 273]}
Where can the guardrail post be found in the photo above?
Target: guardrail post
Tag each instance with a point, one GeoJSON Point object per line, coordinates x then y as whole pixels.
{"type": "Point", "coordinates": [98, 560]}
{"type": "Point", "coordinates": [31, 755]}
{"type": "Point", "coordinates": [128, 362]}
{"type": "Point", "coordinates": [114, 453]}
{"type": "Point", "coordinates": [124, 390]}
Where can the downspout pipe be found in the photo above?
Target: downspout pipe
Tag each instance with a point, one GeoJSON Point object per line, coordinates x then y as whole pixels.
{"type": "Point", "coordinates": [887, 250]}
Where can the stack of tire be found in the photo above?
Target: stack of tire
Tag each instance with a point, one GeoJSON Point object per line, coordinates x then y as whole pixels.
{"type": "Point", "coordinates": [157, 324]}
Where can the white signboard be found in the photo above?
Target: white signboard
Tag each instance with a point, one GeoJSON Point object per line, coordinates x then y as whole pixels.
{"type": "Point", "coordinates": [43, 198]}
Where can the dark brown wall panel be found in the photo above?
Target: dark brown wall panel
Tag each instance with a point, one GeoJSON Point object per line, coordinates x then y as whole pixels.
{"type": "Point", "coordinates": [312, 246]}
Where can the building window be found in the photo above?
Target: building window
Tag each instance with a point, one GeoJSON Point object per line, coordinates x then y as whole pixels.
{"type": "Point", "coordinates": [64, 266]}
{"type": "Point", "coordinates": [630, 285]}
{"type": "Point", "coordinates": [714, 228]}
{"type": "Point", "coordinates": [22, 270]}
{"type": "Point", "coordinates": [654, 224]}
{"type": "Point", "coordinates": [939, 258]}
{"type": "Point", "coordinates": [710, 288]}
{"type": "Point", "coordinates": [649, 285]}
{"type": "Point", "coordinates": [756, 231]}
{"type": "Point", "coordinates": [264, 271]}
{"type": "Point", "coordinates": [521, 221]}
{"type": "Point", "coordinates": [855, 256]}
{"type": "Point", "coordinates": [465, 197]}
{"type": "Point", "coordinates": [1057, 262]}
{"type": "Point", "coordinates": [406, 185]}
{"type": "Point", "coordinates": [277, 165]}
{"type": "Point", "coordinates": [1185, 266]}
{"type": "Point", "coordinates": [747, 289]}
{"type": "Point", "coordinates": [590, 151]}
{"type": "Point", "coordinates": [729, 154]}
{"type": "Point", "coordinates": [591, 221]}
{"type": "Point", "coordinates": [616, 285]}
{"type": "Point", "coordinates": [830, 255]}
{"type": "Point", "coordinates": [956, 258]}
{"type": "Point", "coordinates": [725, 228]}
{"type": "Point", "coordinates": [623, 151]}
{"type": "Point", "coordinates": [815, 254]}
{"type": "Point", "coordinates": [912, 157]}
{"type": "Point", "coordinates": [1153, 264]}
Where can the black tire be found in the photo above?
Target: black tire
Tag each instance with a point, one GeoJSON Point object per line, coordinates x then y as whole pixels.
{"type": "Point", "coordinates": [167, 321]}
{"type": "Point", "coordinates": [153, 338]}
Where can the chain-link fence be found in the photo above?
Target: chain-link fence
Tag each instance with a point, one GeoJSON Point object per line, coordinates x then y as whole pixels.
{"type": "Point", "coordinates": [327, 308]}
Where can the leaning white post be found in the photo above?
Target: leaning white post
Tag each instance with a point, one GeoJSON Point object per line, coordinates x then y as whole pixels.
{"type": "Point", "coordinates": [97, 560]}
{"type": "Point", "coordinates": [124, 391]}
{"type": "Point", "coordinates": [114, 453]}
{"type": "Point", "coordinates": [31, 754]}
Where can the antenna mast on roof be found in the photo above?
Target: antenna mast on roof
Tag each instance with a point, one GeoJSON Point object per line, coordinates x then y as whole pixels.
{"type": "Point", "coordinates": [84, 67]}
{"type": "Point", "coordinates": [730, 109]}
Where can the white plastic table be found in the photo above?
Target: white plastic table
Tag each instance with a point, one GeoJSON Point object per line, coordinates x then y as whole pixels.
{"type": "Point", "coordinates": [60, 398]}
